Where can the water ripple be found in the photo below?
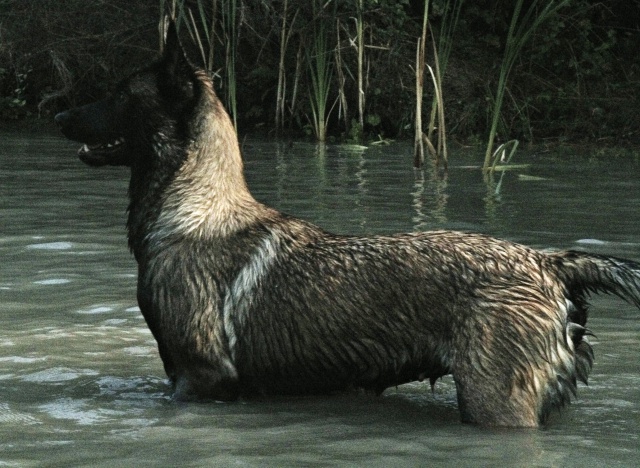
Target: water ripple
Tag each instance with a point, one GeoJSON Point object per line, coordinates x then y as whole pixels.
{"type": "Point", "coordinates": [97, 310]}
{"type": "Point", "coordinates": [57, 374]}
{"type": "Point", "coordinates": [81, 411]}
{"type": "Point", "coordinates": [8, 415]}
{"type": "Point", "coordinates": [21, 359]}
{"type": "Point", "coordinates": [51, 246]}
{"type": "Point", "coordinates": [53, 281]}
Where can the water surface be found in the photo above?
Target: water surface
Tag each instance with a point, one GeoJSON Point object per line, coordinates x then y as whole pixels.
{"type": "Point", "coordinates": [81, 383]}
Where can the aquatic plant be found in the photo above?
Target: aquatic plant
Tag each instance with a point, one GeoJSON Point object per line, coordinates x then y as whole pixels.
{"type": "Point", "coordinates": [419, 140]}
{"type": "Point", "coordinates": [520, 30]}
{"type": "Point", "coordinates": [572, 81]}
{"type": "Point", "coordinates": [205, 24]}
{"type": "Point", "coordinates": [360, 47]}
{"type": "Point", "coordinates": [285, 35]}
{"type": "Point", "coordinates": [230, 31]}
{"type": "Point", "coordinates": [320, 73]}
{"type": "Point", "coordinates": [449, 23]}
{"type": "Point", "coordinates": [441, 54]}
{"type": "Point", "coordinates": [343, 107]}
{"type": "Point", "coordinates": [440, 153]}
{"type": "Point", "coordinates": [500, 155]}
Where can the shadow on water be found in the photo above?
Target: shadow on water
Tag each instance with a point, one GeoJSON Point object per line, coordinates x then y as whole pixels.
{"type": "Point", "coordinates": [81, 382]}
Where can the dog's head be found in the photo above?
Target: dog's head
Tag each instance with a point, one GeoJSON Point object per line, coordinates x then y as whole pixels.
{"type": "Point", "coordinates": [145, 110]}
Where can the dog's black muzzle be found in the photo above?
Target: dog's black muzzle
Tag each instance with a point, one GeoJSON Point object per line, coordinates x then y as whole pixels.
{"type": "Point", "coordinates": [94, 123]}
{"type": "Point", "coordinates": [100, 127]}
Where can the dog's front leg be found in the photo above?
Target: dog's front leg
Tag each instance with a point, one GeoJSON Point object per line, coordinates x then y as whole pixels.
{"type": "Point", "coordinates": [202, 380]}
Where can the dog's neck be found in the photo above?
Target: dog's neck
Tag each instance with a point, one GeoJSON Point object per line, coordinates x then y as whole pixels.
{"type": "Point", "coordinates": [208, 196]}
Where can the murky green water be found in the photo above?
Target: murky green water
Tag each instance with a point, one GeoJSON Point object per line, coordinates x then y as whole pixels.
{"type": "Point", "coordinates": [81, 383]}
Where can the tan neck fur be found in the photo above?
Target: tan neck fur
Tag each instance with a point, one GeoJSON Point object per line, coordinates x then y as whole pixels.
{"type": "Point", "coordinates": [209, 196]}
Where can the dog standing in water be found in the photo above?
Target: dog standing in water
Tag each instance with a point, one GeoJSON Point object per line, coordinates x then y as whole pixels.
{"type": "Point", "coordinates": [245, 300]}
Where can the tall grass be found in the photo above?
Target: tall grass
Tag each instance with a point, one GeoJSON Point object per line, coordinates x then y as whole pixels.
{"type": "Point", "coordinates": [437, 106]}
{"type": "Point", "coordinates": [167, 10]}
{"type": "Point", "coordinates": [320, 71]}
{"type": "Point", "coordinates": [285, 35]}
{"type": "Point", "coordinates": [520, 31]}
{"type": "Point", "coordinates": [360, 36]}
{"type": "Point", "coordinates": [449, 23]}
{"type": "Point", "coordinates": [418, 148]}
{"type": "Point", "coordinates": [281, 78]}
{"type": "Point", "coordinates": [202, 29]}
{"type": "Point", "coordinates": [296, 79]}
{"type": "Point", "coordinates": [210, 21]}
{"type": "Point", "coordinates": [440, 152]}
{"type": "Point", "coordinates": [501, 156]}
{"type": "Point", "coordinates": [230, 31]}
{"type": "Point", "coordinates": [205, 21]}
{"type": "Point", "coordinates": [343, 109]}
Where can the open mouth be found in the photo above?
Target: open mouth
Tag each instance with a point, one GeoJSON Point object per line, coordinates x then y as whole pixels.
{"type": "Point", "coordinates": [103, 153]}
{"type": "Point", "coordinates": [102, 147]}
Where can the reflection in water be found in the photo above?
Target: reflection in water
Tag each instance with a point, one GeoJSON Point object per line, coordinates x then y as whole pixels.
{"type": "Point", "coordinates": [439, 184]}
{"type": "Point", "coordinates": [281, 168]}
{"type": "Point", "coordinates": [492, 202]}
{"type": "Point", "coordinates": [320, 154]}
{"type": "Point", "coordinates": [81, 382]}
{"type": "Point", "coordinates": [420, 218]}
{"type": "Point", "coordinates": [426, 214]}
{"type": "Point", "coordinates": [362, 184]}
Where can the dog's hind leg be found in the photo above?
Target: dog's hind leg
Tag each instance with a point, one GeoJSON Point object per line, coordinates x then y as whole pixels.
{"type": "Point", "coordinates": [501, 360]}
{"type": "Point", "coordinates": [492, 400]}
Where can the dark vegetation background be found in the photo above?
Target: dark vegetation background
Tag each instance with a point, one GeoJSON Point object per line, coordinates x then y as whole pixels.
{"type": "Point", "coordinates": [576, 80]}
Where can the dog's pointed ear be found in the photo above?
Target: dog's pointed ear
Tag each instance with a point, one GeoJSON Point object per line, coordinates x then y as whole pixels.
{"type": "Point", "coordinates": [172, 49]}
{"type": "Point", "coordinates": [179, 75]}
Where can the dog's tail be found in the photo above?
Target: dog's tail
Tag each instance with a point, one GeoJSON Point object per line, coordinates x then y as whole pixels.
{"type": "Point", "coordinates": [584, 273]}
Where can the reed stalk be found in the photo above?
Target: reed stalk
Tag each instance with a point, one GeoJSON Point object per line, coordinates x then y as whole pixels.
{"type": "Point", "coordinates": [360, 39]}
{"type": "Point", "coordinates": [418, 149]}
{"type": "Point", "coordinates": [320, 72]}
{"type": "Point", "coordinates": [448, 27]}
{"type": "Point", "coordinates": [436, 77]}
{"type": "Point", "coordinates": [500, 155]}
{"type": "Point", "coordinates": [281, 82]}
{"type": "Point", "coordinates": [285, 35]}
{"type": "Point", "coordinates": [230, 30]}
{"type": "Point", "coordinates": [211, 33]}
{"type": "Point", "coordinates": [195, 35]}
{"type": "Point", "coordinates": [208, 28]}
{"type": "Point", "coordinates": [182, 14]}
{"type": "Point", "coordinates": [205, 23]}
{"type": "Point", "coordinates": [520, 30]}
{"type": "Point", "coordinates": [296, 79]}
{"type": "Point", "coordinates": [167, 11]}
{"type": "Point", "coordinates": [343, 109]}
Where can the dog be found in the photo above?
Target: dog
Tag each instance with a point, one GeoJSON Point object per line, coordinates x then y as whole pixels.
{"type": "Point", "coordinates": [244, 300]}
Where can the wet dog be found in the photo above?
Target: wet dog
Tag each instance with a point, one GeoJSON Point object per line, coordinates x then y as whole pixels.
{"type": "Point", "coordinates": [243, 299]}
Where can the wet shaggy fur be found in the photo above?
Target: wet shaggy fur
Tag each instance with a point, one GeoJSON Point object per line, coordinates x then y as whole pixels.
{"type": "Point", "coordinates": [245, 300]}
